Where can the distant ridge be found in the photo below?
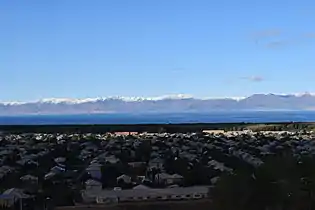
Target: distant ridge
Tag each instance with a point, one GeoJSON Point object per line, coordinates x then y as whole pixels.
{"type": "Point", "coordinates": [164, 104]}
{"type": "Point", "coordinates": [84, 100]}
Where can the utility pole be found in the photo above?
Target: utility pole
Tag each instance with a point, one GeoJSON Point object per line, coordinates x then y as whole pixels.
{"type": "Point", "coordinates": [21, 203]}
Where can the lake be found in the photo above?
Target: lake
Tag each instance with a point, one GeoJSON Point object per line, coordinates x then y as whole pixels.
{"type": "Point", "coordinates": [213, 117]}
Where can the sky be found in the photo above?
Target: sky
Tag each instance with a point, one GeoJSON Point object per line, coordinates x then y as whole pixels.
{"type": "Point", "coordinates": [204, 48]}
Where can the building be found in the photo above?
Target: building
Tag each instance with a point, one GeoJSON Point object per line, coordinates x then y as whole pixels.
{"type": "Point", "coordinates": [167, 179]}
{"type": "Point", "coordinates": [124, 179]}
{"type": "Point", "coordinates": [6, 201]}
{"type": "Point", "coordinates": [125, 133]}
{"type": "Point", "coordinates": [9, 197]}
{"type": "Point", "coordinates": [146, 194]}
{"type": "Point", "coordinates": [213, 131]}
{"type": "Point", "coordinates": [157, 163]}
{"type": "Point", "coordinates": [94, 170]}
{"type": "Point", "coordinates": [29, 178]}
{"type": "Point", "coordinates": [93, 185]}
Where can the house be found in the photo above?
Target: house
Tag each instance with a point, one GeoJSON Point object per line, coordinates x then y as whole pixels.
{"type": "Point", "coordinates": [5, 170]}
{"type": "Point", "coordinates": [9, 197]}
{"type": "Point", "coordinates": [213, 131]}
{"type": "Point", "coordinates": [57, 169]}
{"type": "Point", "coordinates": [6, 201]}
{"type": "Point", "coordinates": [92, 184]}
{"type": "Point", "coordinates": [124, 178]}
{"type": "Point", "coordinates": [136, 164]}
{"type": "Point", "coordinates": [219, 166]}
{"type": "Point", "coordinates": [157, 163]}
{"type": "Point", "coordinates": [141, 187]}
{"type": "Point", "coordinates": [49, 175]}
{"type": "Point", "coordinates": [143, 179]}
{"type": "Point", "coordinates": [132, 153]}
{"type": "Point", "coordinates": [214, 180]}
{"type": "Point", "coordinates": [167, 179]}
{"type": "Point", "coordinates": [29, 178]}
{"type": "Point", "coordinates": [125, 133]}
{"type": "Point", "coordinates": [94, 170]}
{"type": "Point", "coordinates": [24, 162]}
{"type": "Point", "coordinates": [111, 159]}
{"type": "Point", "coordinates": [173, 186]}
{"type": "Point", "coordinates": [176, 179]}
{"type": "Point", "coordinates": [60, 160]}
{"type": "Point", "coordinates": [154, 154]}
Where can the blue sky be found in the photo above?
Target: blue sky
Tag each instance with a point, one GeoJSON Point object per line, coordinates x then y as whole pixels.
{"type": "Point", "coordinates": [80, 48]}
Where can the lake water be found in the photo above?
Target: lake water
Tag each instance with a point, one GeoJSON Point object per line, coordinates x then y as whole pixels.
{"type": "Point", "coordinates": [215, 117]}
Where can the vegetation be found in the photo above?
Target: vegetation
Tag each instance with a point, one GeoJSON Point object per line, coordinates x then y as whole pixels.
{"type": "Point", "coordinates": [157, 128]}
{"type": "Point", "coordinates": [282, 183]}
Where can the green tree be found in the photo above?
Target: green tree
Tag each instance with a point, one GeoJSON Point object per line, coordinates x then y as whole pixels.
{"type": "Point", "coordinates": [233, 192]}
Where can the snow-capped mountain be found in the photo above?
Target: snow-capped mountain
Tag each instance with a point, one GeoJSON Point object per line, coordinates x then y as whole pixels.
{"type": "Point", "coordinates": [170, 104]}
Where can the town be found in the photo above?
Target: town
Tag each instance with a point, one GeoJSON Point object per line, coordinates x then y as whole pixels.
{"type": "Point", "coordinates": [47, 171]}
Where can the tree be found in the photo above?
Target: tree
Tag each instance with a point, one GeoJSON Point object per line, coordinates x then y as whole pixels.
{"type": "Point", "coordinates": [282, 182]}
{"type": "Point", "coordinates": [233, 192]}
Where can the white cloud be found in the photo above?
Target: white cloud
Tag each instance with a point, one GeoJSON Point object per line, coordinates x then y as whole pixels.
{"type": "Point", "coordinates": [254, 78]}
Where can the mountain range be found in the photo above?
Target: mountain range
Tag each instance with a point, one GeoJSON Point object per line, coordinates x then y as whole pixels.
{"type": "Point", "coordinates": [166, 104]}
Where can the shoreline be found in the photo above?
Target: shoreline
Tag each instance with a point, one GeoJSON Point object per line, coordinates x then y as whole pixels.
{"type": "Point", "coordinates": [156, 128]}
